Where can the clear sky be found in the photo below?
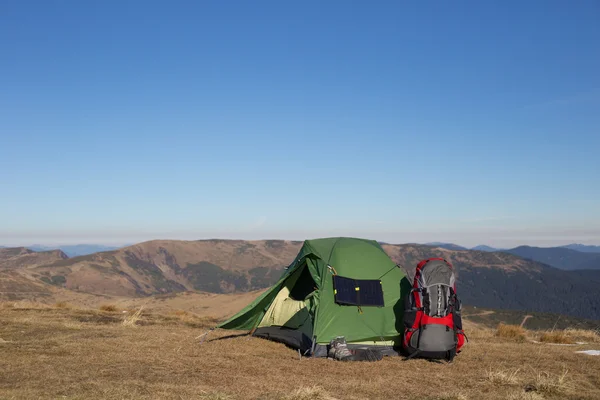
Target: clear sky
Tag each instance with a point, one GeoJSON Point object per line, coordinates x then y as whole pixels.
{"type": "Point", "coordinates": [471, 122]}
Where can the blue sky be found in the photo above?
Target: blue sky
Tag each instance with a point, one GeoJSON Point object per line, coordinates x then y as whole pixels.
{"type": "Point", "coordinates": [472, 122]}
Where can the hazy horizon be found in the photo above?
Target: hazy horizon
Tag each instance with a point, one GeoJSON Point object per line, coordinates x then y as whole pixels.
{"type": "Point", "coordinates": [506, 242]}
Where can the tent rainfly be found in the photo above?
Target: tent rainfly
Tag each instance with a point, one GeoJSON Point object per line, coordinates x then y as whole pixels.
{"type": "Point", "coordinates": [335, 287]}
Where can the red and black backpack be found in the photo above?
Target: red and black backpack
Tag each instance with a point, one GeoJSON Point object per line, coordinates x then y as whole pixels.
{"type": "Point", "coordinates": [432, 320]}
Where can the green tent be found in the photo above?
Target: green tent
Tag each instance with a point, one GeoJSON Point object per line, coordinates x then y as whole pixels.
{"type": "Point", "coordinates": [335, 287]}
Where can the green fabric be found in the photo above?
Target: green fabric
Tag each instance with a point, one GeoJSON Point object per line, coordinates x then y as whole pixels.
{"type": "Point", "coordinates": [288, 312]}
{"type": "Point", "coordinates": [361, 259]}
{"type": "Point", "coordinates": [352, 258]}
{"type": "Point", "coordinates": [249, 317]}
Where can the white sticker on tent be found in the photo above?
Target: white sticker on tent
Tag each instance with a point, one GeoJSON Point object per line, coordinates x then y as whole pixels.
{"type": "Point", "coordinates": [590, 352]}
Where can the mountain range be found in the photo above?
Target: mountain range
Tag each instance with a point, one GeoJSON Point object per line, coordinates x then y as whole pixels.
{"type": "Point", "coordinates": [74, 250]}
{"type": "Point", "coordinates": [85, 249]}
{"type": "Point", "coordinates": [559, 257]}
{"type": "Point", "coordinates": [568, 257]}
{"type": "Point", "coordinates": [452, 246]}
{"type": "Point", "coordinates": [485, 279]}
{"type": "Point", "coordinates": [583, 248]}
{"type": "Point", "coordinates": [483, 247]}
{"type": "Point", "coordinates": [448, 246]}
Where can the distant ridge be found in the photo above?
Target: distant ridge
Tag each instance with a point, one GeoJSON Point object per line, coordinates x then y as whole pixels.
{"type": "Point", "coordinates": [558, 257]}
{"type": "Point", "coordinates": [483, 247]}
{"type": "Point", "coordinates": [447, 246]}
{"type": "Point", "coordinates": [76, 249]}
{"type": "Point", "coordinates": [583, 248]}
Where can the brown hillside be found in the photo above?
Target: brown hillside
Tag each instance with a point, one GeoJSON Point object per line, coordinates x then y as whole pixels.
{"type": "Point", "coordinates": [493, 280]}
{"type": "Point", "coordinates": [17, 278]}
{"type": "Point", "coordinates": [164, 266]}
{"type": "Point", "coordinates": [12, 252]}
{"type": "Point", "coordinates": [14, 286]}
{"type": "Point", "coordinates": [21, 257]}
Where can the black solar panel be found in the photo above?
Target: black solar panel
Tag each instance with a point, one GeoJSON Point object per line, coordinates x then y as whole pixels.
{"type": "Point", "coordinates": [357, 292]}
{"type": "Point", "coordinates": [370, 293]}
{"type": "Point", "coordinates": [345, 290]}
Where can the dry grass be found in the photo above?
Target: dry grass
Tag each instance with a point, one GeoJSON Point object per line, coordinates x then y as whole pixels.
{"type": "Point", "coordinates": [552, 384]}
{"type": "Point", "coordinates": [511, 332]}
{"type": "Point", "coordinates": [478, 332]}
{"type": "Point", "coordinates": [309, 393]}
{"type": "Point", "coordinates": [194, 320]}
{"type": "Point", "coordinates": [63, 304]}
{"type": "Point", "coordinates": [522, 395]}
{"type": "Point", "coordinates": [109, 308]}
{"type": "Point", "coordinates": [52, 353]}
{"type": "Point", "coordinates": [215, 396]}
{"type": "Point", "coordinates": [583, 335]}
{"type": "Point", "coordinates": [559, 336]}
{"type": "Point", "coordinates": [458, 396]}
{"type": "Point", "coordinates": [73, 325]}
{"type": "Point", "coordinates": [503, 376]}
{"type": "Point", "coordinates": [570, 336]}
{"type": "Point", "coordinates": [24, 304]}
{"type": "Point", "coordinates": [221, 306]}
{"type": "Point", "coordinates": [133, 319]}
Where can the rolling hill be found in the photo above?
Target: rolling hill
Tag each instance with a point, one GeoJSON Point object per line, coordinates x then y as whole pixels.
{"type": "Point", "coordinates": [493, 280]}
{"type": "Point", "coordinates": [20, 257]}
{"type": "Point", "coordinates": [15, 282]}
{"type": "Point", "coordinates": [216, 266]}
{"type": "Point", "coordinates": [559, 257]}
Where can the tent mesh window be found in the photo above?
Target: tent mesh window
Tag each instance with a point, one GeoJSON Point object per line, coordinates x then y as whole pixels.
{"type": "Point", "coordinates": [357, 292]}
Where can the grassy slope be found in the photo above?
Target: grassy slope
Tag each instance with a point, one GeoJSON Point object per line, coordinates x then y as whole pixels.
{"type": "Point", "coordinates": [20, 257]}
{"type": "Point", "coordinates": [85, 354]}
{"type": "Point", "coordinates": [533, 320]}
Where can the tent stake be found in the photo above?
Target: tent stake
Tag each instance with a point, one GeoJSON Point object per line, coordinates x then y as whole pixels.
{"type": "Point", "coordinates": [204, 335]}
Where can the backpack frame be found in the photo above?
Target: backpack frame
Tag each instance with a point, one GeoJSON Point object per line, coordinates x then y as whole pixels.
{"type": "Point", "coordinates": [432, 317]}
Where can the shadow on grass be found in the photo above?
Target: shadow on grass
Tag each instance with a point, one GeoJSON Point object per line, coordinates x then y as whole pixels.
{"type": "Point", "coordinates": [229, 337]}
